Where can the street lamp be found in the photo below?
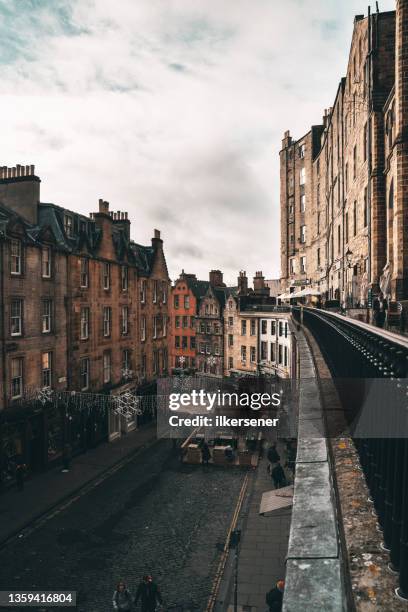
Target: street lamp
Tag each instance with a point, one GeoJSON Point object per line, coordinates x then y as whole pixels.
{"type": "Point", "coordinates": [348, 256]}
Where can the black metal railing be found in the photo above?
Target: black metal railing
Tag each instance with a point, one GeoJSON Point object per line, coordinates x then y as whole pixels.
{"type": "Point", "coordinates": [358, 351]}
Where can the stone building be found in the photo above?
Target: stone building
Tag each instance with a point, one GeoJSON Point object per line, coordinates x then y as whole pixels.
{"type": "Point", "coordinates": [257, 336]}
{"type": "Point", "coordinates": [196, 316]}
{"type": "Point", "coordinates": [83, 309]}
{"type": "Point", "coordinates": [339, 234]}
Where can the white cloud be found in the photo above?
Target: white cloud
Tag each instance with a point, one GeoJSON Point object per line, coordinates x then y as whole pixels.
{"type": "Point", "coordinates": [173, 110]}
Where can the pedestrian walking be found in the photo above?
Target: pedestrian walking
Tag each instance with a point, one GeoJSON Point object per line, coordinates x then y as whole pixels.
{"type": "Point", "coordinates": [278, 476]}
{"type": "Point", "coordinates": [122, 599]}
{"type": "Point", "coordinates": [273, 456]}
{"type": "Point", "coordinates": [205, 454]}
{"type": "Point", "coordinates": [274, 598]}
{"type": "Point", "coordinates": [21, 470]}
{"type": "Point", "coordinates": [149, 594]}
{"type": "Point", "coordinates": [66, 458]}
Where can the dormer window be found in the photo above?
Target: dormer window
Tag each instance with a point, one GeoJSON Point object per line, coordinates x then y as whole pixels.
{"type": "Point", "coordinates": [68, 226]}
{"type": "Point", "coordinates": [16, 258]}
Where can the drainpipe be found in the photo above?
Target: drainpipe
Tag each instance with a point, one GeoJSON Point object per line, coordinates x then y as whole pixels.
{"type": "Point", "coordinates": [343, 199]}
{"type": "Point", "coordinates": [369, 143]}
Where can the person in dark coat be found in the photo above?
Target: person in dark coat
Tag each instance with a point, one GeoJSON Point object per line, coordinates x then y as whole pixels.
{"type": "Point", "coordinates": [205, 454]}
{"type": "Point", "coordinates": [149, 594]}
{"type": "Point", "coordinates": [274, 598]}
{"type": "Point", "coordinates": [273, 455]}
{"type": "Point", "coordinates": [278, 476]}
{"type": "Point", "coordinates": [122, 599]}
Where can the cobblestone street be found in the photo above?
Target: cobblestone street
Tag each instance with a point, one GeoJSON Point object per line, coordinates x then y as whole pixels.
{"type": "Point", "coordinates": [152, 516]}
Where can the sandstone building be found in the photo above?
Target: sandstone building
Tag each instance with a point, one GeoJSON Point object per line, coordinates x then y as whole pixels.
{"type": "Point", "coordinates": [83, 309]}
{"type": "Point", "coordinates": [344, 195]}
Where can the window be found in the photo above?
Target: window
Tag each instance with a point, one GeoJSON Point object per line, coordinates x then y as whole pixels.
{"type": "Point", "coordinates": [107, 373]}
{"type": "Point", "coordinates": [230, 321]}
{"type": "Point", "coordinates": [273, 351]}
{"type": "Point", "coordinates": [155, 361]}
{"type": "Point", "coordinates": [16, 319]}
{"type": "Point", "coordinates": [253, 327]}
{"type": "Point", "coordinates": [84, 323]}
{"type": "Point", "coordinates": [303, 234]}
{"type": "Point", "coordinates": [177, 341]}
{"type": "Point", "coordinates": [84, 274]}
{"type": "Point", "coordinates": [286, 330]}
{"type": "Point", "coordinates": [355, 162]}
{"type": "Point", "coordinates": [230, 363]}
{"type": "Point", "coordinates": [365, 207]}
{"type": "Point", "coordinates": [346, 177]}
{"type": "Point", "coordinates": [185, 322]}
{"type": "Point", "coordinates": [208, 349]}
{"type": "Point", "coordinates": [16, 257]}
{"type": "Point", "coordinates": [143, 366]}
{"type": "Point", "coordinates": [84, 373]}
{"type": "Point", "coordinates": [177, 321]}
{"type": "Point", "coordinates": [216, 349]}
{"type": "Point", "coordinates": [303, 265]}
{"type": "Point", "coordinates": [347, 227]}
{"type": "Point", "coordinates": [184, 341]}
{"type": "Point", "coordinates": [285, 358]}
{"type": "Point", "coordinates": [302, 203]}
{"type": "Point", "coordinates": [143, 291]}
{"type": "Point", "coordinates": [124, 278]}
{"type": "Point", "coordinates": [280, 328]}
{"type": "Point", "coordinates": [208, 328]}
{"type": "Point", "coordinates": [68, 226]}
{"type": "Point", "coordinates": [155, 291]}
{"type": "Point", "coordinates": [126, 360]}
{"type": "Point", "coordinates": [365, 141]}
{"type": "Point", "coordinates": [243, 354]}
{"type": "Point", "coordinates": [155, 326]}
{"type": "Point", "coordinates": [46, 262]}
{"type": "Point", "coordinates": [264, 327]}
{"type": "Point", "coordinates": [230, 340]}
{"type": "Point", "coordinates": [106, 321]}
{"type": "Point", "coordinates": [16, 377]}
{"type": "Point", "coordinates": [106, 276]}
{"type": "Point", "coordinates": [243, 328]}
{"type": "Point", "coordinates": [292, 266]}
{"type": "Point", "coordinates": [273, 328]}
{"type": "Point", "coordinates": [176, 301]}
{"type": "Point", "coordinates": [46, 372]}
{"type": "Point", "coordinates": [164, 292]}
{"type": "Point", "coordinates": [46, 316]}
{"type": "Point", "coordinates": [302, 150]}
{"type": "Point", "coordinates": [318, 257]}
{"type": "Point", "coordinates": [143, 328]}
{"type": "Point", "coordinates": [192, 342]}
{"type": "Point", "coordinates": [202, 348]}
{"type": "Point", "coordinates": [164, 324]}
{"type": "Point", "coordinates": [125, 320]}
{"type": "Point", "coordinates": [253, 354]}
{"type": "Point", "coordinates": [264, 351]}
{"type": "Point", "coordinates": [186, 302]}
{"type": "Point", "coordinates": [302, 176]}
{"type": "Point", "coordinates": [355, 219]}
{"type": "Point", "coordinates": [318, 223]}
{"type": "Point", "coordinates": [338, 239]}
{"type": "Point", "coordinates": [280, 351]}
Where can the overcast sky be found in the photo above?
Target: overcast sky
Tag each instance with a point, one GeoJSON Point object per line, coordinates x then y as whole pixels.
{"type": "Point", "coordinates": [173, 110]}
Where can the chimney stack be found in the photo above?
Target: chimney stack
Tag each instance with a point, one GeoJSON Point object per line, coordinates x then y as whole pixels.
{"type": "Point", "coordinates": [242, 283]}
{"type": "Point", "coordinates": [216, 278]}
{"type": "Point", "coordinates": [157, 242]}
{"type": "Point", "coordinates": [20, 190]}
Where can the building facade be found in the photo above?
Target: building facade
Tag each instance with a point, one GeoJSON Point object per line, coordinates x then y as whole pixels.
{"type": "Point", "coordinates": [83, 315]}
{"type": "Point", "coordinates": [340, 182]}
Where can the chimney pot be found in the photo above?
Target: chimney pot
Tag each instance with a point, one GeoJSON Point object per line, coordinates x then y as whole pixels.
{"type": "Point", "coordinates": [32, 170]}
{"type": "Point", "coordinates": [27, 170]}
{"type": "Point", "coordinates": [157, 233]}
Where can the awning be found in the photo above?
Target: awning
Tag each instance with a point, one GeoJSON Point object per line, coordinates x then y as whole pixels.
{"type": "Point", "coordinates": [275, 500]}
{"type": "Point", "coordinates": [284, 296]}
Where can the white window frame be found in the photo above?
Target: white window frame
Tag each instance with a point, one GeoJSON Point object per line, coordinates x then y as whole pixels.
{"type": "Point", "coordinates": [46, 262]}
{"type": "Point", "coordinates": [16, 317]}
{"type": "Point", "coordinates": [46, 373]}
{"type": "Point", "coordinates": [46, 316]}
{"type": "Point", "coordinates": [125, 320]}
{"type": "Point", "coordinates": [107, 367]}
{"type": "Point", "coordinates": [84, 372]}
{"type": "Point", "coordinates": [18, 377]}
{"type": "Point", "coordinates": [16, 257]}
{"type": "Point", "coordinates": [143, 287]}
{"type": "Point", "coordinates": [106, 321]}
{"type": "Point", "coordinates": [85, 312]}
{"type": "Point", "coordinates": [302, 176]}
{"type": "Point", "coordinates": [143, 328]}
{"type": "Point", "coordinates": [106, 275]}
{"type": "Point", "coordinates": [68, 225]}
{"type": "Point", "coordinates": [124, 272]}
{"type": "Point", "coordinates": [84, 272]}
